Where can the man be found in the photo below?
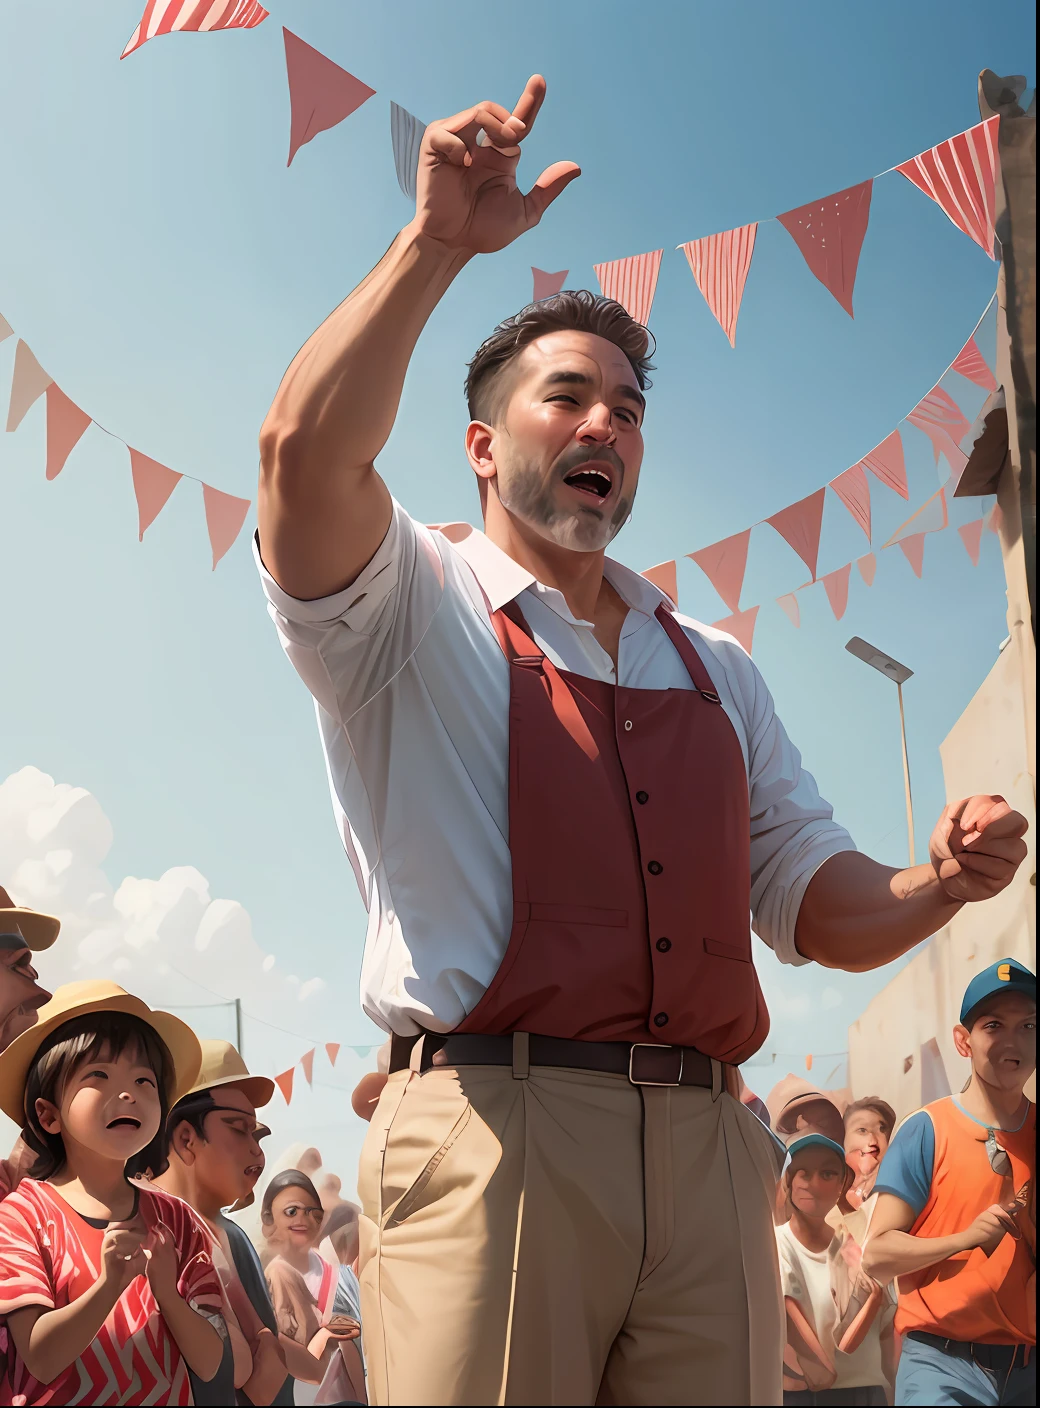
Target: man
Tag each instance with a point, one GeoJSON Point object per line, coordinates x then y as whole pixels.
{"type": "Point", "coordinates": [23, 932]}
{"type": "Point", "coordinates": [956, 1214]}
{"type": "Point", "coordinates": [215, 1160]}
{"type": "Point", "coordinates": [560, 800]}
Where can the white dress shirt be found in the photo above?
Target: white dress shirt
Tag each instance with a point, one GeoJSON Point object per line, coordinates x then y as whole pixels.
{"type": "Point", "coordinates": [412, 695]}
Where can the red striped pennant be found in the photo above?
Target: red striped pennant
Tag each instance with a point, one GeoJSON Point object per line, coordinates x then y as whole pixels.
{"type": "Point", "coordinates": [198, 16]}
{"type": "Point", "coordinates": [720, 264]}
{"type": "Point", "coordinates": [945, 424]}
{"type": "Point", "coordinates": [631, 282]}
{"type": "Point", "coordinates": [960, 176]}
{"type": "Point", "coordinates": [972, 364]}
{"type": "Point", "coordinates": [853, 488]}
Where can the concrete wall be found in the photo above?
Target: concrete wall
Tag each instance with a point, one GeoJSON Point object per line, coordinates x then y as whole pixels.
{"type": "Point", "coordinates": [986, 751]}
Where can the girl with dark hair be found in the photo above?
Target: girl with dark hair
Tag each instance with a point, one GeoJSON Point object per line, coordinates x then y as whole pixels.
{"type": "Point", "coordinates": [303, 1293]}
{"type": "Point", "coordinates": [107, 1287]}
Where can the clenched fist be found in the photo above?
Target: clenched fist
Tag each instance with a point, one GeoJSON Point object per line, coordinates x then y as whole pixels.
{"type": "Point", "coordinates": [977, 846]}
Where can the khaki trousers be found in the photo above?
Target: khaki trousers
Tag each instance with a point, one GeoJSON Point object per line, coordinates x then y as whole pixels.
{"type": "Point", "coordinates": [566, 1237]}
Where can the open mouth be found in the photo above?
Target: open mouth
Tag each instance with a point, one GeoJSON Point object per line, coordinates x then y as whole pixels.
{"type": "Point", "coordinates": [124, 1122]}
{"type": "Point", "coordinates": [253, 1170]}
{"type": "Point", "coordinates": [595, 482]}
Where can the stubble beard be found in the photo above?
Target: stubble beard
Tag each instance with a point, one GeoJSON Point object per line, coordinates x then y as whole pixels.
{"type": "Point", "coordinates": [529, 497]}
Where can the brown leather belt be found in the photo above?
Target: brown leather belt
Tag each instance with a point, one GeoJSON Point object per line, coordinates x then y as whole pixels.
{"type": "Point", "coordinates": [644, 1063]}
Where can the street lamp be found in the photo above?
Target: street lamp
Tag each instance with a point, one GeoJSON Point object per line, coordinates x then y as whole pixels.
{"type": "Point", "coordinates": [892, 670]}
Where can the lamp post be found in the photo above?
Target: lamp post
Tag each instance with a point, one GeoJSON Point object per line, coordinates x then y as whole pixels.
{"type": "Point", "coordinates": [892, 670]}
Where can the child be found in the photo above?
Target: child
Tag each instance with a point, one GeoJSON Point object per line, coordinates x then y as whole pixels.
{"type": "Point", "coordinates": [107, 1288]}
{"type": "Point", "coordinates": [868, 1128]}
{"type": "Point", "coordinates": [839, 1322]}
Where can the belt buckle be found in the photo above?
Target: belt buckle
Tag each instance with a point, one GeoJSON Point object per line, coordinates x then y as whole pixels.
{"type": "Point", "coordinates": [652, 1046]}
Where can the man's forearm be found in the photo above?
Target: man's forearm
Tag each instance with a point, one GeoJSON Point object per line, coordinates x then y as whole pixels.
{"type": "Point", "coordinates": [858, 915]}
{"type": "Point", "coordinates": [895, 1253]}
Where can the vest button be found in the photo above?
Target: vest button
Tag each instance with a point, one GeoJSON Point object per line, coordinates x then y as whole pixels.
{"type": "Point", "coordinates": [663, 945]}
{"type": "Point", "coordinates": [642, 796]}
{"type": "Point", "coordinates": [655, 867]}
{"type": "Point", "coordinates": [628, 725]}
{"type": "Point", "coordinates": [661, 1019]}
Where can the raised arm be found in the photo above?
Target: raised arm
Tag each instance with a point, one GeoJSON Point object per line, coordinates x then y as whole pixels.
{"type": "Point", "coordinates": [323, 510]}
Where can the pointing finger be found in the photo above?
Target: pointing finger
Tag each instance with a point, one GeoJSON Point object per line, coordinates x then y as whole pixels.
{"type": "Point", "coordinates": [553, 180]}
{"type": "Point", "coordinates": [529, 104]}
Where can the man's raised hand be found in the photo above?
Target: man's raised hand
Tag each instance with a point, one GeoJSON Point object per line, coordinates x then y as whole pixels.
{"type": "Point", "coordinates": [977, 847]}
{"type": "Point", "coordinates": [466, 192]}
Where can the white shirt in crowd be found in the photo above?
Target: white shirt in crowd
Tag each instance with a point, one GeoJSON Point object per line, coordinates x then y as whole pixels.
{"type": "Point", "coordinates": [807, 1277]}
{"type": "Point", "coordinates": [412, 696]}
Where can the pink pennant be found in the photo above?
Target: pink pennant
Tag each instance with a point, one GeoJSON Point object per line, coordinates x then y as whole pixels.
{"type": "Point", "coordinates": [789, 605]}
{"type": "Point", "coordinates": [321, 94]}
{"type": "Point", "coordinates": [867, 567]}
{"type": "Point", "coordinates": [853, 488]}
{"type": "Point", "coordinates": [224, 518]}
{"type": "Point", "coordinates": [631, 282]}
{"type": "Point", "coordinates": [724, 564]}
{"type": "Point", "coordinates": [28, 383]}
{"type": "Point", "coordinates": [6, 330]}
{"type": "Point", "coordinates": [960, 176]}
{"type": "Point", "coordinates": [307, 1066]}
{"type": "Point", "coordinates": [166, 16]}
{"type": "Point", "coordinates": [664, 577]}
{"type": "Point", "coordinates": [799, 525]}
{"type": "Point", "coordinates": [720, 264]}
{"type": "Point", "coordinates": [332, 1051]}
{"type": "Point", "coordinates": [545, 285]}
{"type": "Point", "coordinates": [741, 626]}
{"type": "Point", "coordinates": [972, 364]}
{"type": "Point", "coordinates": [913, 551]}
{"type": "Point", "coordinates": [65, 426]}
{"type": "Point", "coordinates": [971, 537]}
{"type": "Point", "coordinates": [995, 521]}
{"type": "Point", "coordinates": [887, 463]}
{"type": "Point", "coordinates": [931, 517]}
{"type": "Point", "coordinates": [836, 585]}
{"type": "Point", "coordinates": [284, 1082]}
{"type": "Point", "coordinates": [153, 485]}
{"type": "Point", "coordinates": [830, 232]}
{"type": "Point", "coordinates": [945, 424]}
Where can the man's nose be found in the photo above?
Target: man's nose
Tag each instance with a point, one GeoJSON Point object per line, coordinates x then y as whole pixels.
{"type": "Point", "coordinates": [598, 427]}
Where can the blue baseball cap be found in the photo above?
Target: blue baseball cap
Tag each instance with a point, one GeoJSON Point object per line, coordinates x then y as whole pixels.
{"type": "Point", "coordinates": [1005, 976]}
{"type": "Point", "coordinates": [814, 1141]}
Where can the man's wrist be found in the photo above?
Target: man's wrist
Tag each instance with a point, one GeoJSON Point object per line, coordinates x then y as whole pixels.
{"type": "Point", "coordinates": [447, 258]}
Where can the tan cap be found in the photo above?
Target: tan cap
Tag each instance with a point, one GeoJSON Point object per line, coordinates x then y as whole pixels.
{"type": "Point", "coordinates": [222, 1065]}
{"type": "Point", "coordinates": [38, 930]}
{"type": "Point", "coordinates": [75, 1000]}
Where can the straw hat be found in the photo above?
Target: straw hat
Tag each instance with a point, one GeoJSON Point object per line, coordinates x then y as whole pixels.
{"type": "Point", "coordinates": [38, 930]}
{"type": "Point", "coordinates": [75, 1000]}
{"type": "Point", "coordinates": [222, 1065]}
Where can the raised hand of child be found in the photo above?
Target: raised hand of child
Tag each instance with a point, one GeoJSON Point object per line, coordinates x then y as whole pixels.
{"type": "Point", "coordinates": [163, 1263]}
{"type": "Point", "coordinates": [122, 1254]}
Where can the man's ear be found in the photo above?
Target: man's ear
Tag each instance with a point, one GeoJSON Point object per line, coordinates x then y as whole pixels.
{"type": "Point", "coordinates": [480, 449]}
{"type": "Point", "coordinates": [182, 1143]}
{"type": "Point", "coordinates": [962, 1040]}
{"type": "Point", "coordinates": [49, 1116]}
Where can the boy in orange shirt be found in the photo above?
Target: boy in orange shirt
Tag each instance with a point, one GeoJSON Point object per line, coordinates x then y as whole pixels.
{"type": "Point", "coordinates": [955, 1216]}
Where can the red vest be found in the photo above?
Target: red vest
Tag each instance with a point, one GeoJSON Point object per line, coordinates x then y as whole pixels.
{"type": "Point", "coordinates": [629, 833]}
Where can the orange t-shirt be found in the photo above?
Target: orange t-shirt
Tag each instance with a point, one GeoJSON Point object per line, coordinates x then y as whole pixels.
{"type": "Point", "coordinates": [971, 1296]}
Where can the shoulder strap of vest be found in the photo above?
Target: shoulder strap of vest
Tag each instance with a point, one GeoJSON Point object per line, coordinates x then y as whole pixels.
{"type": "Point", "coordinates": [688, 655]}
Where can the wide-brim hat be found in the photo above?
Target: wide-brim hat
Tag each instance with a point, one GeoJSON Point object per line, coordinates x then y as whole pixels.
{"type": "Point", "coordinates": [77, 1000]}
{"type": "Point", "coordinates": [832, 1126]}
{"type": "Point", "coordinates": [223, 1065]}
{"type": "Point", "coordinates": [37, 929]}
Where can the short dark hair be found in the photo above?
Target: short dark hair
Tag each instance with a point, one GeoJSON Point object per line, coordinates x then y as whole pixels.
{"type": "Point", "coordinates": [288, 1178]}
{"type": "Point", "coordinates": [191, 1109]}
{"type": "Point", "coordinates": [879, 1106]}
{"type": "Point", "coordinates": [86, 1038]}
{"type": "Point", "coordinates": [572, 310]}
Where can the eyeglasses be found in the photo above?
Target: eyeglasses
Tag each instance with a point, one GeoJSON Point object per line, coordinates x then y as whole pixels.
{"type": "Point", "coordinates": [294, 1210]}
{"type": "Point", "coordinates": [999, 1158]}
{"type": "Point", "coordinates": [248, 1123]}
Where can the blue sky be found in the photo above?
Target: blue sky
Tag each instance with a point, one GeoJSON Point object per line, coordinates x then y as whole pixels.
{"type": "Point", "coordinates": [165, 266]}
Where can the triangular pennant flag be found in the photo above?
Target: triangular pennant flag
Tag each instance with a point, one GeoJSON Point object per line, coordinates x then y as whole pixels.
{"type": "Point", "coordinates": [65, 426]}
{"type": "Point", "coordinates": [153, 485]}
{"type": "Point", "coordinates": [945, 424]}
{"type": "Point", "coordinates": [960, 176]}
{"type": "Point", "coordinates": [799, 525]}
{"type": "Point", "coordinates": [996, 519]}
{"type": "Point", "coordinates": [284, 1082]}
{"type": "Point", "coordinates": [224, 518]}
{"type": "Point", "coordinates": [28, 383]}
{"type": "Point", "coordinates": [972, 364]}
{"type": "Point", "coordinates": [741, 626]}
{"type": "Point", "coordinates": [321, 94]}
{"type": "Point", "coordinates": [664, 576]}
{"type": "Point", "coordinates": [545, 285]}
{"type": "Point", "coordinates": [913, 551]}
{"type": "Point", "coordinates": [362, 1050]}
{"type": "Point", "coordinates": [167, 16]}
{"type": "Point", "coordinates": [888, 463]}
{"type": "Point", "coordinates": [788, 603]}
{"type": "Point", "coordinates": [332, 1051]}
{"type": "Point", "coordinates": [853, 488]}
{"type": "Point", "coordinates": [829, 232]}
{"type": "Point", "coordinates": [6, 330]}
{"type": "Point", "coordinates": [406, 133]}
{"type": "Point", "coordinates": [931, 517]}
{"type": "Point", "coordinates": [720, 264]}
{"type": "Point", "coordinates": [631, 282]}
{"type": "Point", "coordinates": [724, 564]}
{"type": "Point", "coordinates": [836, 585]}
{"type": "Point", "coordinates": [808, 1063]}
{"type": "Point", "coordinates": [867, 567]}
{"type": "Point", "coordinates": [971, 537]}
{"type": "Point", "coordinates": [307, 1066]}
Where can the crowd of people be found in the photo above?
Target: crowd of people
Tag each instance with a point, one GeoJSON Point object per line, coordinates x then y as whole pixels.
{"type": "Point", "coordinates": [123, 1279]}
